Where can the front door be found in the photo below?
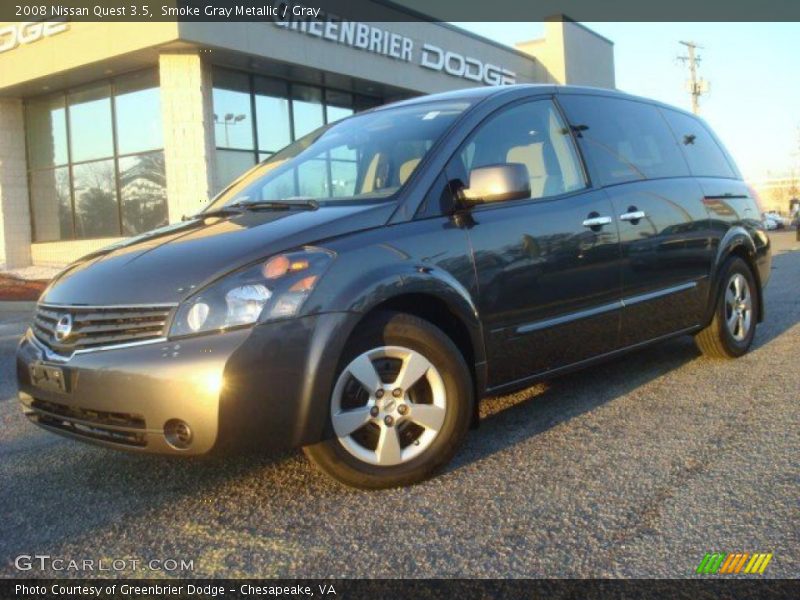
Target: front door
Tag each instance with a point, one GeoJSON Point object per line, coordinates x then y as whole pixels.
{"type": "Point", "coordinates": [548, 266]}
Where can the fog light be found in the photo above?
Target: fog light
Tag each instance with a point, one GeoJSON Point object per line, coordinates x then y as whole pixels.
{"type": "Point", "coordinates": [178, 434]}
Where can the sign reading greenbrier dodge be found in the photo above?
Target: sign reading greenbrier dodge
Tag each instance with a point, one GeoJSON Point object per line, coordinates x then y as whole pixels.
{"type": "Point", "coordinates": [374, 39]}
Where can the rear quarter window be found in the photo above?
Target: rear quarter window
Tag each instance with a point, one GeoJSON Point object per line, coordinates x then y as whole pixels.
{"type": "Point", "coordinates": [702, 152]}
{"type": "Point", "coordinates": [625, 140]}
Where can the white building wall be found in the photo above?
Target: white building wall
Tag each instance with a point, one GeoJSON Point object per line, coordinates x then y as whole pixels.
{"type": "Point", "coordinates": [571, 54]}
{"type": "Point", "coordinates": [15, 220]}
{"type": "Point", "coordinates": [188, 122]}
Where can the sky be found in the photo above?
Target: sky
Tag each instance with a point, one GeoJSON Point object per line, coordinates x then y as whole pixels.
{"type": "Point", "coordinates": [754, 98]}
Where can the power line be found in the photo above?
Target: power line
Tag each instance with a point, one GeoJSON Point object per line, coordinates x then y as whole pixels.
{"type": "Point", "coordinates": [697, 87]}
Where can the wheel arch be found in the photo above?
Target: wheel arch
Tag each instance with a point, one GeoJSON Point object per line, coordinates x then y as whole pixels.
{"type": "Point", "coordinates": [440, 300]}
{"type": "Point", "coordinates": [737, 242]}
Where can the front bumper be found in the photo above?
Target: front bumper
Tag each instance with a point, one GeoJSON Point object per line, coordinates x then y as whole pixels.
{"type": "Point", "coordinates": [260, 386]}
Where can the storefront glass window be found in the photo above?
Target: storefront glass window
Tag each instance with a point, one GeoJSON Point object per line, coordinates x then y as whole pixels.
{"type": "Point", "coordinates": [233, 119]}
{"type": "Point", "coordinates": [138, 113]}
{"type": "Point", "coordinates": [284, 112]}
{"type": "Point", "coordinates": [96, 210]}
{"type": "Point", "coordinates": [272, 114]}
{"type": "Point", "coordinates": [90, 123]}
{"type": "Point", "coordinates": [230, 164]}
{"type": "Point", "coordinates": [52, 211]}
{"type": "Point", "coordinates": [338, 105]}
{"type": "Point", "coordinates": [307, 109]}
{"type": "Point", "coordinates": [96, 177]}
{"type": "Point", "coordinates": [143, 192]}
{"type": "Point", "coordinates": [47, 135]}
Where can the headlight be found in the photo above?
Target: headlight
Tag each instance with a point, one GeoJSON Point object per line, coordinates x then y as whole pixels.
{"type": "Point", "coordinates": [272, 289]}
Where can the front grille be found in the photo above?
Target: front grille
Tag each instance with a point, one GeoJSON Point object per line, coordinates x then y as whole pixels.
{"type": "Point", "coordinates": [116, 427]}
{"type": "Point", "coordinates": [96, 327]}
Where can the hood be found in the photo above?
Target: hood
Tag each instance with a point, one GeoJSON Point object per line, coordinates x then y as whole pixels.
{"type": "Point", "coordinates": [168, 264]}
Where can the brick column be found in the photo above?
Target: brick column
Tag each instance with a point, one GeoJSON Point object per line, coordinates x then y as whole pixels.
{"type": "Point", "coordinates": [15, 220]}
{"type": "Point", "coordinates": [188, 122]}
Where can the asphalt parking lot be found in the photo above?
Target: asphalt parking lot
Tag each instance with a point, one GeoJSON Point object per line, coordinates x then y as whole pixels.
{"type": "Point", "coordinates": [634, 468]}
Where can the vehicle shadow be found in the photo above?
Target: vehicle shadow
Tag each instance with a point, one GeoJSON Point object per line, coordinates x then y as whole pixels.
{"type": "Point", "coordinates": [511, 419]}
{"type": "Point", "coordinates": [781, 304]}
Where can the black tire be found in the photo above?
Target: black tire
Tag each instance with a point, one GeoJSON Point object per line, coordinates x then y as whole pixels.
{"type": "Point", "coordinates": [403, 330]}
{"type": "Point", "coordinates": [717, 340]}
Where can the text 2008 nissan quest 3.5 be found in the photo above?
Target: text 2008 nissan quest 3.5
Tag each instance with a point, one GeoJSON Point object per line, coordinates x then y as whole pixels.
{"type": "Point", "coordinates": [357, 293]}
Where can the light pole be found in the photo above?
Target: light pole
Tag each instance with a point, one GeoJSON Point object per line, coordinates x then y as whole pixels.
{"type": "Point", "coordinates": [697, 87]}
{"type": "Point", "coordinates": [229, 120]}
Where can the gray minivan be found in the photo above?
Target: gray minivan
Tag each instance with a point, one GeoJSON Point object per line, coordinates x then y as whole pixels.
{"type": "Point", "coordinates": [358, 292]}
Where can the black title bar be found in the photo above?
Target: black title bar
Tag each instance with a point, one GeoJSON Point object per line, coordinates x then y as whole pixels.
{"type": "Point", "coordinates": [399, 10]}
{"type": "Point", "coordinates": [377, 589]}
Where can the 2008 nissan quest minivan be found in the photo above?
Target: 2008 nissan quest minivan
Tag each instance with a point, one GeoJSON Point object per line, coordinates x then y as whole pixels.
{"type": "Point", "coordinates": [358, 292]}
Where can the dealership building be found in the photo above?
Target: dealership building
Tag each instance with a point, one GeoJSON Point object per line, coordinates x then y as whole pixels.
{"type": "Point", "coordinates": [108, 130]}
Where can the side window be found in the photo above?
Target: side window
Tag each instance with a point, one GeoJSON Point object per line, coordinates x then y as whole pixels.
{"type": "Point", "coordinates": [532, 134]}
{"type": "Point", "coordinates": [625, 140]}
{"type": "Point", "coordinates": [705, 157]}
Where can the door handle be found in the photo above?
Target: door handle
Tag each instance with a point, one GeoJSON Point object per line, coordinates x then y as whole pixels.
{"type": "Point", "coordinates": [596, 221]}
{"type": "Point", "coordinates": [634, 215]}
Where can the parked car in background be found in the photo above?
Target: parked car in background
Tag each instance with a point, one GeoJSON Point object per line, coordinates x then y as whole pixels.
{"type": "Point", "coordinates": [357, 293]}
{"type": "Point", "coordinates": [770, 224]}
{"type": "Point", "coordinates": [780, 221]}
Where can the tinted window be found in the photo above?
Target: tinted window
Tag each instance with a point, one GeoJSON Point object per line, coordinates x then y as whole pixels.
{"type": "Point", "coordinates": [625, 140]}
{"type": "Point", "coordinates": [702, 152]}
{"type": "Point", "coordinates": [531, 134]}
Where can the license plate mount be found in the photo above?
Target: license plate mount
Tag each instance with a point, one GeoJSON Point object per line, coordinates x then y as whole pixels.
{"type": "Point", "coordinates": [48, 377]}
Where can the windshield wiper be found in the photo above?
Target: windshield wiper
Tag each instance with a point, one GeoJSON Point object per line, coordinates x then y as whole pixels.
{"type": "Point", "coordinates": [237, 207]}
{"type": "Point", "coordinates": [277, 205]}
{"type": "Point", "coordinates": [225, 211]}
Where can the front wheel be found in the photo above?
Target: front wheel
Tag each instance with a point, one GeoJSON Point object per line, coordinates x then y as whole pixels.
{"type": "Point", "coordinates": [733, 327]}
{"type": "Point", "coordinates": [400, 407]}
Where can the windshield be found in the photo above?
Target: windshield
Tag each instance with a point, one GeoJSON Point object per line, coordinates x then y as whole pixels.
{"type": "Point", "coordinates": [366, 157]}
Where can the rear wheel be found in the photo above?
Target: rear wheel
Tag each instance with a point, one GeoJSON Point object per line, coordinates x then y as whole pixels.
{"type": "Point", "coordinates": [400, 407]}
{"type": "Point", "coordinates": [733, 327]}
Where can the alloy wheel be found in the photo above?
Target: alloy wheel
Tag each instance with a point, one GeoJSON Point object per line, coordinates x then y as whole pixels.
{"type": "Point", "coordinates": [738, 307]}
{"type": "Point", "coordinates": [388, 405]}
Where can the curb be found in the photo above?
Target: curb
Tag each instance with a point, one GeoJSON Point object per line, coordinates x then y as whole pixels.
{"type": "Point", "coordinates": [17, 305]}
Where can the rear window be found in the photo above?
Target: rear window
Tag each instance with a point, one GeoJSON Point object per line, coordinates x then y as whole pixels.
{"type": "Point", "coordinates": [624, 139]}
{"type": "Point", "coordinates": [705, 157]}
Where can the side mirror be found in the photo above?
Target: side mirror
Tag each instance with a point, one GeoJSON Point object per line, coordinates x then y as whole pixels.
{"type": "Point", "coordinates": [497, 183]}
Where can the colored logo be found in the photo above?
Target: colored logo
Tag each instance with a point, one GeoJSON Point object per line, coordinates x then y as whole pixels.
{"type": "Point", "coordinates": [721, 563]}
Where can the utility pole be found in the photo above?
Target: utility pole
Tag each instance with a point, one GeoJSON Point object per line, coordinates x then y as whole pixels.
{"type": "Point", "coordinates": [697, 87]}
